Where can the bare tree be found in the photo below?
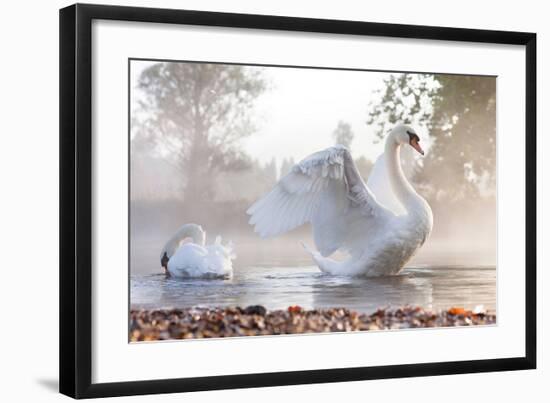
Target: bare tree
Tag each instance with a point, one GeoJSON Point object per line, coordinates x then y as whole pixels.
{"type": "Point", "coordinates": [195, 115]}
{"type": "Point", "coordinates": [343, 134]}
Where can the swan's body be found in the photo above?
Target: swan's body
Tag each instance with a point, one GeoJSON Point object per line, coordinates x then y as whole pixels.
{"type": "Point", "coordinates": [380, 224]}
{"type": "Point", "coordinates": [185, 255]}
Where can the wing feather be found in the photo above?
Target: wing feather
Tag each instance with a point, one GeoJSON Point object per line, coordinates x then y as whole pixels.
{"type": "Point", "coordinates": [324, 189]}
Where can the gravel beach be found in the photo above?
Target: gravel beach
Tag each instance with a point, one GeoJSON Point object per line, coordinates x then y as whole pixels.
{"type": "Point", "coordinates": [191, 323]}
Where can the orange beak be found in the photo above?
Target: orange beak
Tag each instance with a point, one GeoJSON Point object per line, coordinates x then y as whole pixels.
{"type": "Point", "coordinates": [416, 146]}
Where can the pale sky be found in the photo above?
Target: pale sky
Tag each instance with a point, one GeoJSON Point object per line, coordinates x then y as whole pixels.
{"type": "Point", "coordinates": [299, 112]}
{"type": "Point", "coordinates": [304, 106]}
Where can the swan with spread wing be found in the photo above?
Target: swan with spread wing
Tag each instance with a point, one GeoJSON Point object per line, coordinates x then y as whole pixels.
{"type": "Point", "coordinates": [380, 224]}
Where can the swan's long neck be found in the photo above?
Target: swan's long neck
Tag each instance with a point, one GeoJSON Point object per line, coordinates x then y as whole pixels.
{"type": "Point", "coordinates": [404, 191]}
{"type": "Point", "coordinates": [193, 231]}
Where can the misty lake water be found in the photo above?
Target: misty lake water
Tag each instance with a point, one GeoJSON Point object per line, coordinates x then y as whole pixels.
{"type": "Point", "coordinates": [277, 273]}
{"type": "Point", "coordinates": [278, 287]}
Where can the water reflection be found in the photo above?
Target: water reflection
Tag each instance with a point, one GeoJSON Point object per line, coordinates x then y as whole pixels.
{"type": "Point", "coordinates": [357, 293]}
{"type": "Point", "coordinates": [278, 287]}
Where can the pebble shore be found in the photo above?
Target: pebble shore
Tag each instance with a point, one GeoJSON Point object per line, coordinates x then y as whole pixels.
{"type": "Point", "coordinates": [194, 323]}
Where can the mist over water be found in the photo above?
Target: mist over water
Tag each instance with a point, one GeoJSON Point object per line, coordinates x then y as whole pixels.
{"type": "Point", "coordinates": [287, 251]}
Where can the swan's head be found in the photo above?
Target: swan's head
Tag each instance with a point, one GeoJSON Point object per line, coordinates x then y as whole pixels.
{"type": "Point", "coordinates": [164, 261]}
{"type": "Point", "coordinates": [186, 233]}
{"type": "Point", "coordinates": [404, 134]}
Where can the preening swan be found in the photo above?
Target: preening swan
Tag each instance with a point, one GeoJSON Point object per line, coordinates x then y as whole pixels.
{"type": "Point", "coordinates": [186, 255]}
{"type": "Point", "coordinates": [380, 224]}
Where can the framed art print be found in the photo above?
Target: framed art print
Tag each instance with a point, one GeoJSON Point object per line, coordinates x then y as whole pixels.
{"type": "Point", "coordinates": [240, 192]}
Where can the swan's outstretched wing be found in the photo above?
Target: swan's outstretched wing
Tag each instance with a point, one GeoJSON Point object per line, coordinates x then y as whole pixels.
{"type": "Point", "coordinates": [379, 184]}
{"type": "Point", "coordinates": [326, 190]}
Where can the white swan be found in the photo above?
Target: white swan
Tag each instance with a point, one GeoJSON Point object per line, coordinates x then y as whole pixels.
{"type": "Point", "coordinates": [185, 255]}
{"type": "Point", "coordinates": [380, 224]}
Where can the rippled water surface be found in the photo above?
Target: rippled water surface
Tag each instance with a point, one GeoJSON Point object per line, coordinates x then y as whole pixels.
{"type": "Point", "coordinates": [278, 287]}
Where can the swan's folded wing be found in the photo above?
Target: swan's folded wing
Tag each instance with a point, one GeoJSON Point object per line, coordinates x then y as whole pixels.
{"type": "Point", "coordinates": [324, 189]}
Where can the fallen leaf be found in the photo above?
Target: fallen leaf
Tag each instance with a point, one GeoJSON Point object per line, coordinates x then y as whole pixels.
{"type": "Point", "coordinates": [457, 311]}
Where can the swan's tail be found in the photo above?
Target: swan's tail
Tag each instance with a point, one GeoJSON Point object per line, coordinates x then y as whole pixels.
{"type": "Point", "coordinates": [326, 265]}
{"type": "Point", "coordinates": [228, 250]}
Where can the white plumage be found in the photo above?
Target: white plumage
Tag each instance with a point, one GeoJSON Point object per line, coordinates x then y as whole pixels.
{"type": "Point", "coordinates": [185, 255]}
{"type": "Point", "coordinates": [381, 224]}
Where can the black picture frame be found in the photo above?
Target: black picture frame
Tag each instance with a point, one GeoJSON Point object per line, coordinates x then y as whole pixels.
{"type": "Point", "coordinates": [76, 199]}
